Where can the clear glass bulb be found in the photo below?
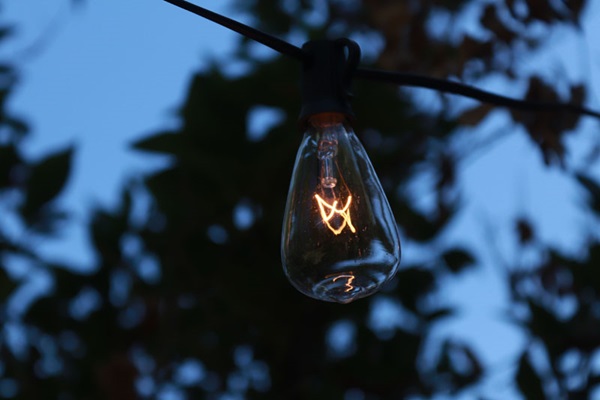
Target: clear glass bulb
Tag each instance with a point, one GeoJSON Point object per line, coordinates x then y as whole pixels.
{"type": "Point", "coordinates": [340, 241]}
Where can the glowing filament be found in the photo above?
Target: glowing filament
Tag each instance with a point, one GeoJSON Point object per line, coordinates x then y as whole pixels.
{"type": "Point", "coordinates": [333, 210]}
{"type": "Point", "coordinates": [348, 284]}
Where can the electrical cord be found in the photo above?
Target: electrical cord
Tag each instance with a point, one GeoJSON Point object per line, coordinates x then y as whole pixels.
{"type": "Point", "coordinates": [398, 78]}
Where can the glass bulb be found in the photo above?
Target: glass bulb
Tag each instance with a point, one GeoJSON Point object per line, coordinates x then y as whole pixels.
{"type": "Point", "coordinates": [340, 241]}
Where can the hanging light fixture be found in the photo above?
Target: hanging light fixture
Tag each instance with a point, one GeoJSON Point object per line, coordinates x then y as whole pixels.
{"type": "Point", "coordinates": [340, 241]}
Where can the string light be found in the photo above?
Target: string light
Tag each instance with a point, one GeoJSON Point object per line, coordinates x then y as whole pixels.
{"type": "Point", "coordinates": [359, 251]}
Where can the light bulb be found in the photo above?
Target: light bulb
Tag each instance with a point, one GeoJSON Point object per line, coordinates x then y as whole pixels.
{"type": "Point", "coordinates": [340, 241]}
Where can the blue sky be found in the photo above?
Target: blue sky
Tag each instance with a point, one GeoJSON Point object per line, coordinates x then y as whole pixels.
{"type": "Point", "coordinates": [112, 71]}
{"type": "Point", "coordinates": [108, 73]}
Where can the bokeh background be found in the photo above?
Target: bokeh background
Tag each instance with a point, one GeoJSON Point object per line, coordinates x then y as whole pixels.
{"type": "Point", "coordinates": [145, 157]}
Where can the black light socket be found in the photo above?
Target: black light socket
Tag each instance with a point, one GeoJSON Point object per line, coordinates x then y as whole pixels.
{"type": "Point", "coordinates": [327, 73]}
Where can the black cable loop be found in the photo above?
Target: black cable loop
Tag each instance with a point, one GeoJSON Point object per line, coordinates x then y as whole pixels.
{"type": "Point", "coordinates": [354, 54]}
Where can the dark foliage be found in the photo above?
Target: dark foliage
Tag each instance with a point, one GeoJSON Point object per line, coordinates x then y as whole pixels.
{"type": "Point", "coordinates": [188, 291]}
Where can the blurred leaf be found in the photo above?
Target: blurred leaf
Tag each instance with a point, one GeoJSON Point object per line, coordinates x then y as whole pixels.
{"type": "Point", "coordinates": [107, 230]}
{"type": "Point", "coordinates": [474, 116]}
{"type": "Point", "coordinates": [492, 22]}
{"type": "Point", "coordinates": [18, 128]}
{"type": "Point", "coordinates": [164, 142]}
{"type": "Point", "coordinates": [413, 284]}
{"type": "Point", "coordinates": [10, 159]}
{"type": "Point", "coordinates": [460, 362]}
{"type": "Point", "coordinates": [541, 10]}
{"type": "Point", "coordinates": [446, 173]}
{"type": "Point", "coordinates": [548, 128]}
{"type": "Point", "coordinates": [593, 190]}
{"type": "Point", "coordinates": [5, 32]}
{"type": "Point", "coordinates": [439, 314]}
{"type": "Point", "coordinates": [117, 376]}
{"type": "Point", "coordinates": [576, 7]}
{"type": "Point", "coordinates": [528, 381]}
{"type": "Point", "coordinates": [415, 224]}
{"type": "Point", "coordinates": [7, 286]}
{"type": "Point", "coordinates": [452, 5]}
{"type": "Point", "coordinates": [46, 180]}
{"type": "Point", "coordinates": [525, 231]}
{"type": "Point", "coordinates": [457, 259]}
{"type": "Point", "coordinates": [49, 314]}
{"type": "Point", "coordinates": [544, 324]}
{"type": "Point", "coordinates": [273, 19]}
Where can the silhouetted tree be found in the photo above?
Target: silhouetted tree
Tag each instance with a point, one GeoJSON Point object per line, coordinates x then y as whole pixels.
{"type": "Point", "coordinates": [188, 295]}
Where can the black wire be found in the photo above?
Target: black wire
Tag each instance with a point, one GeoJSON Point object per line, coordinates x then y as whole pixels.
{"type": "Point", "coordinates": [272, 42]}
{"type": "Point", "coordinates": [398, 78]}
{"type": "Point", "coordinates": [468, 91]}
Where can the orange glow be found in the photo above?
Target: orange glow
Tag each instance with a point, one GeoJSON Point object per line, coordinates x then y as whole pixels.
{"type": "Point", "coordinates": [333, 210]}
{"type": "Point", "coordinates": [348, 285]}
{"type": "Point", "coordinates": [327, 119]}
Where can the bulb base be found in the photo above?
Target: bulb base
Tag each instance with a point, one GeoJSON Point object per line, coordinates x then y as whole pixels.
{"type": "Point", "coordinates": [327, 77]}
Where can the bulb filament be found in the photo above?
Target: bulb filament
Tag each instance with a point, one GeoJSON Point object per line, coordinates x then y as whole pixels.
{"type": "Point", "coordinates": [328, 148]}
{"type": "Point", "coordinates": [333, 210]}
{"type": "Point", "coordinates": [348, 284]}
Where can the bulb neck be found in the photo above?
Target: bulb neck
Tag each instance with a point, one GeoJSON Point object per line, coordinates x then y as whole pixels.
{"type": "Point", "coordinates": [327, 77]}
{"type": "Point", "coordinates": [326, 119]}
